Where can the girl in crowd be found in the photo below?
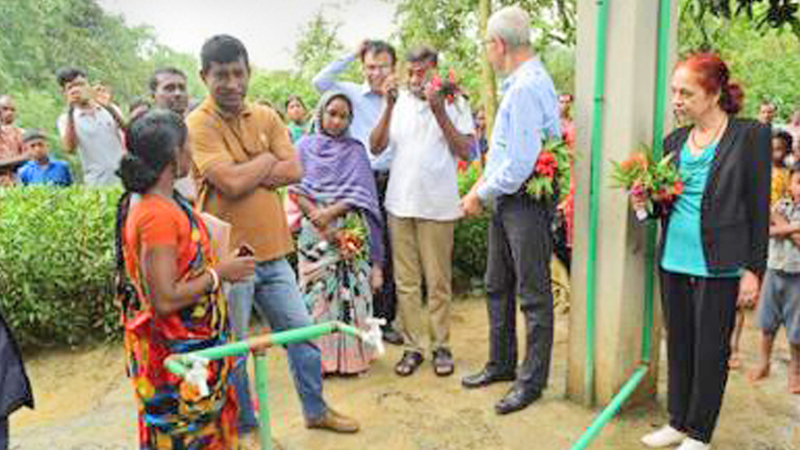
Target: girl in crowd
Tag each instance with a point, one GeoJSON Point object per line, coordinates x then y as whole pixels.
{"type": "Point", "coordinates": [170, 293]}
{"type": "Point", "coordinates": [714, 243]}
{"type": "Point", "coordinates": [338, 188]}
{"type": "Point", "coordinates": [296, 115]}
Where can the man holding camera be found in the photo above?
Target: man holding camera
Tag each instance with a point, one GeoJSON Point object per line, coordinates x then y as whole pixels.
{"type": "Point", "coordinates": [91, 127]}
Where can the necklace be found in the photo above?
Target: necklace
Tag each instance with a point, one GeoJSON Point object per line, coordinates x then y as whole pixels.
{"type": "Point", "coordinates": [714, 138]}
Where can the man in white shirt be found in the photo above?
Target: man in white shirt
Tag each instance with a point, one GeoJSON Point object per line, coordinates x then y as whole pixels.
{"type": "Point", "coordinates": [90, 127]}
{"type": "Point", "coordinates": [428, 134]}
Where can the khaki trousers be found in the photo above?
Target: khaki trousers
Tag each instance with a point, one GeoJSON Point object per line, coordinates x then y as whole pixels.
{"type": "Point", "coordinates": [423, 249]}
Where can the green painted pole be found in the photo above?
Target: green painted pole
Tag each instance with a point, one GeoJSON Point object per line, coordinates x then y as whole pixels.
{"type": "Point", "coordinates": [664, 25]}
{"type": "Point", "coordinates": [611, 410]}
{"type": "Point", "coordinates": [262, 389]}
{"type": "Point", "coordinates": [177, 364]}
{"type": "Point", "coordinates": [630, 386]}
{"type": "Point", "coordinates": [595, 176]}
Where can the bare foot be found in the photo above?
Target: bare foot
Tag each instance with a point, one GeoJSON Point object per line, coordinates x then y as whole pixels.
{"type": "Point", "coordinates": [734, 362]}
{"type": "Point", "coordinates": [759, 373]}
{"type": "Point", "coordinates": [794, 382]}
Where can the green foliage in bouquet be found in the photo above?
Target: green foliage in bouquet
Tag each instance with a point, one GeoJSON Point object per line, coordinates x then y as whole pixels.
{"type": "Point", "coordinates": [553, 169]}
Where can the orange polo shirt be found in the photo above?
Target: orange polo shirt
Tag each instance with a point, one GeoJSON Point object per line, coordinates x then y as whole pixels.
{"type": "Point", "coordinates": [257, 218]}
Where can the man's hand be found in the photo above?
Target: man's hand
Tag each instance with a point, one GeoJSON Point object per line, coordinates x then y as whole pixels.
{"type": "Point", "coordinates": [74, 96]}
{"type": "Point", "coordinates": [389, 89]}
{"type": "Point", "coordinates": [102, 95]}
{"type": "Point", "coordinates": [435, 100]}
{"type": "Point", "coordinates": [360, 48]}
{"type": "Point", "coordinates": [471, 204]}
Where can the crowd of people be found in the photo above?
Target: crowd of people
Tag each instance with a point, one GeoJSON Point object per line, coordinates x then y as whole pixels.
{"type": "Point", "coordinates": [380, 160]}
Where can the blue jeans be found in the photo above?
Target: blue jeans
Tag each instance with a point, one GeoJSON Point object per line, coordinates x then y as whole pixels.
{"type": "Point", "coordinates": [277, 297]}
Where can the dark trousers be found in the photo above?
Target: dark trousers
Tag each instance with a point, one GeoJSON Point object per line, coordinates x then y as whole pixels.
{"type": "Point", "coordinates": [384, 303]}
{"type": "Point", "coordinates": [520, 248]}
{"type": "Point", "coordinates": [3, 433]}
{"type": "Point", "coordinates": [699, 316]}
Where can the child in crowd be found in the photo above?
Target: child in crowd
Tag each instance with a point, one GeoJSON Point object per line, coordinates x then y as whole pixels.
{"type": "Point", "coordinates": [781, 144]}
{"type": "Point", "coordinates": [296, 115]}
{"type": "Point", "coordinates": [42, 169]}
{"type": "Point", "coordinates": [780, 296]}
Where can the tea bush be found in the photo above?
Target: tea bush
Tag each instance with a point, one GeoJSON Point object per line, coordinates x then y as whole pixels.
{"type": "Point", "coordinates": [469, 251]}
{"type": "Point", "coordinates": [57, 263]}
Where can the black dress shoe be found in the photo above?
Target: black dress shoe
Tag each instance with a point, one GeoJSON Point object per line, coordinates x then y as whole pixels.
{"type": "Point", "coordinates": [516, 399]}
{"type": "Point", "coordinates": [486, 377]}
{"type": "Point", "coordinates": [392, 336]}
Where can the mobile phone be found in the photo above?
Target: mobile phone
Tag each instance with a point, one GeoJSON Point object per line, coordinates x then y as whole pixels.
{"type": "Point", "coordinates": [245, 250]}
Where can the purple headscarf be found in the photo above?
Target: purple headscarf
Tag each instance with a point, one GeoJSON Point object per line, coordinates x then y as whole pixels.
{"type": "Point", "coordinates": [336, 169]}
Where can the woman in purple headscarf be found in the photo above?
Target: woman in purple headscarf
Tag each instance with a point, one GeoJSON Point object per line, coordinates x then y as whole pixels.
{"type": "Point", "coordinates": [340, 250]}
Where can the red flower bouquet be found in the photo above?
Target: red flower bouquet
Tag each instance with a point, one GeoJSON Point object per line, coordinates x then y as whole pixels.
{"type": "Point", "coordinates": [351, 238]}
{"type": "Point", "coordinates": [552, 169]}
{"type": "Point", "coordinates": [446, 85]}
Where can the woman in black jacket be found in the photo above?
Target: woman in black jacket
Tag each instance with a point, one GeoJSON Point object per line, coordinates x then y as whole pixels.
{"type": "Point", "coordinates": [713, 245]}
{"type": "Point", "coordinates": [15, 389]}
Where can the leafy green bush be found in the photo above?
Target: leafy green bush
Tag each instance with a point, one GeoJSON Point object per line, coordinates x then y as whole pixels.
{"type": "Point", "coordinates": [57, 263]}
{"type": "Point", "coordinates": [469, 251]}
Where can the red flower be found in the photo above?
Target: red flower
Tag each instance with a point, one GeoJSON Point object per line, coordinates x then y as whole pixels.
{"type": "Point", "coordinates": [436, 82]}
{"type": "Point", "coordinates": [546, 165]}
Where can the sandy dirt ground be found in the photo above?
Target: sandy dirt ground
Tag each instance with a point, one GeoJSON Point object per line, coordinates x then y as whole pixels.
{"type": "Point", "coordinates": [84, 402]}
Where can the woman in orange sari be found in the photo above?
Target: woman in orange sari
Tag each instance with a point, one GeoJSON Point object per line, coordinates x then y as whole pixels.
{"type": "Point", "coordinates": [170, 293]}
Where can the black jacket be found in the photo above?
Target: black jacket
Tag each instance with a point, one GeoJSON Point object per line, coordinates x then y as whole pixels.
{"type": "Point", "coordinates": [735, 207]}
{"type": "Point", "coordinates": [15, 389]}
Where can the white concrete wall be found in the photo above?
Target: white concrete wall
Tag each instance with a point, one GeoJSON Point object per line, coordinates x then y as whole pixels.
{"type": "Point", "coordinates": [620, 266]}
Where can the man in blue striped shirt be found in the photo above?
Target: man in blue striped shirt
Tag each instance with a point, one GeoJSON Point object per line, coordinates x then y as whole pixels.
{"type": "Point", "coordinates": [520, 237]}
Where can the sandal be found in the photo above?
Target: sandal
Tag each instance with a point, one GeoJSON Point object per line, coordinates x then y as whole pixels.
{"type": "Point", "coordinates": [408, 364]}
{"type": "Point", "coordinates": [443, 362]}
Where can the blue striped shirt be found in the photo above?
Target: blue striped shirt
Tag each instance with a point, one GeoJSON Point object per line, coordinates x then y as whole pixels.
{"type": "Point", "coordinates": [528, 113]}
{"type": "Point", "coordinates": [367, 107]}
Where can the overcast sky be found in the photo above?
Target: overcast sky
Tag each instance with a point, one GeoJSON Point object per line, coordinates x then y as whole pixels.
{"type": "Point", "coordinates": [268, 28]}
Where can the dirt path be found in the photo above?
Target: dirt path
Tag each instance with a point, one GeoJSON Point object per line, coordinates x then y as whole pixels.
{"type": "Point", "coordinates": [84, 402]}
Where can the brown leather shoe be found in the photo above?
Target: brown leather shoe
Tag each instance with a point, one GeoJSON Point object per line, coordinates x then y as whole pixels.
{"type": "Point", "coordinates": [333, 421]}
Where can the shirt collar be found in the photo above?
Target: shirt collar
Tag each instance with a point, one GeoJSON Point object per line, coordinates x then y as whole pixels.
{"type": "Point", "coordinates": [210, 105]}
{"type": "Point", "coordinates": [528, 66]}
{"type": "Point", "coordinates": [93, 108]}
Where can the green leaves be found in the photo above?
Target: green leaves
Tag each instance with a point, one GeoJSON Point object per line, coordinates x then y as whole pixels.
{"type": "Point", "coordinates": [57, 263]}
{"type": "Point", "coordinates": [469, 250]}
{"type": "Point", "coordinates": [764, 60]}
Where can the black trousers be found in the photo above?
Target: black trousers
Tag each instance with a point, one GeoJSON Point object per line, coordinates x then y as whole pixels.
{"type": "Point", "coordinates": [3, 433]}
{"type": "Point", "coordinates": [700, 315]}
{"type": "Point", "coordinates": [384, 303]}
{"type": "Point", "coordinates": [520, 248]}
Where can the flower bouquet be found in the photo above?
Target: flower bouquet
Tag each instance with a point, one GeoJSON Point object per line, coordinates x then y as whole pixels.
{"type": "Point", "coordinates": [446, 85]}
{"type": "Point", "coordinates": [552, 169]}
{"type": "Point", "coordinates": [351, 237]}
{"type": "Point", "coordinates": [639, 175]}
